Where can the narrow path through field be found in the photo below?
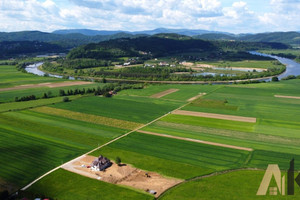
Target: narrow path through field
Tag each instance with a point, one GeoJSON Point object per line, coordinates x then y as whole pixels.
{"type": "Point", "coordinates": [50, 85]}
{"type": "Point", "coordinates": [80, 157]}
{"type": "Point", "coordinates": [215, 116]}
{"type": "Point", "coordinates": [196, 97]}
{"type": "Point", "coordinates": [287, 97]}
{"type": "Point", "coordinates": [197, 141]}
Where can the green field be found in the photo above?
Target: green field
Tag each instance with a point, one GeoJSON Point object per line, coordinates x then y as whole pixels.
{"type": "Point", "coordinates": [230, 186]}
{"type": "Point", "coordinates": [10, 77]}
{"type": "Point", "coordinates": [133, 109]}
{"type": "Point", "coordinates": [12, 106]}
{"type": "Point", "coordinates": [47, 132]}
{"type": "Point", "coordinates": [62, 184]}
{"type": "Point", "coordinates": [43, 142]}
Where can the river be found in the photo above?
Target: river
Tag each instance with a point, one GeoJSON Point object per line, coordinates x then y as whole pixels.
{"type": "Point", "coordinates": [292, 67]}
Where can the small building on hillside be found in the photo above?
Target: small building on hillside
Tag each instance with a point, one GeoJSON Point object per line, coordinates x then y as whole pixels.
{"type": "Point", "coordinates": [100, 164]}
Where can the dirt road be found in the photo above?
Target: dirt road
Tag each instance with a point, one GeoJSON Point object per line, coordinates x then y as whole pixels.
{"type": "Point", "coordinates": [164, 93]}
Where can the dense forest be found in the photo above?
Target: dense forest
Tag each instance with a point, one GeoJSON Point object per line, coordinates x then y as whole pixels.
{"type": "Point", "coordinates": [164, 45]}
{"type": "Point", "coordinates": [13, 48]}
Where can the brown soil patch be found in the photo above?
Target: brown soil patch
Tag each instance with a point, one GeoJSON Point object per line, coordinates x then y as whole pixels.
{"type": "Point", "coordinates": [196, 97]}
{"type": "Point", "coordinates": [287, 97]}
{"type": "Point", "coordinates": [197, 141]}
{"type": "Point", "coordinates": [215, 116]}
{"type": "Point", "coordinates": [50, 85]}
{"type": "Point", "coordinates": [164, 93]}
{"type": "Point", "coordinates": [188, 64]}
{"type": "Point", "coordinates": [124, 175]}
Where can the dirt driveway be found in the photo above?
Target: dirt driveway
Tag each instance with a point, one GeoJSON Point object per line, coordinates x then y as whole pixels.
{"type": "Point", "coordinates": [123, 175]}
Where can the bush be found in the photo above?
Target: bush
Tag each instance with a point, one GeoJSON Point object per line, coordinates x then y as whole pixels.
{"type": "Point", "coordinates": [66, 99]}
{"type": "Point", "coordinates": [118, 161]}
{"type": "Point", "coordinates": [275, 79]}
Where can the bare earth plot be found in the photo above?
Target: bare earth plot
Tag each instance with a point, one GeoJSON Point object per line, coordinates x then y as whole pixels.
{"type": "Point", "coordinates": [197, 141]}
{"type": "Point", "coordinates": [196, 97]}
{"type": "Point", "coordinates": [164, 93]}
{"type": "Point", "coordinates": [50, 85]}
{"type": "Point", "coordinates": [123, 175]}
{"type": "Point", "coordinates": [287, 97]}
{"type": "Point", "coordinates": [215, 116]}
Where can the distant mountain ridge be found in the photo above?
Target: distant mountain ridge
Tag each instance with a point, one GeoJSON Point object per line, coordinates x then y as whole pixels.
{"type": "Point", "coordinates": [89, 32]}
{"type": "Point", "coordinates": [70, 38]}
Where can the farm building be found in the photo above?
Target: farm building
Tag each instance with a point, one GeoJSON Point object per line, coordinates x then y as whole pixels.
{"type": "Point", "coordinates": [100, 164]}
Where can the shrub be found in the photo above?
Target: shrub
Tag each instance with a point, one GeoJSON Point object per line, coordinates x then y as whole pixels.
{"type": "Point", "coordinates": [66, 99]}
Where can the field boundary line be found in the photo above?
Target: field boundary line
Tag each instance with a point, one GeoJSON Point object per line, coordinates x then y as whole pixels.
{"type": "Point", "coordinates": [197, 141]}
{"type": "Point", "coordinates": [122, 136]}
{"type": "Point", "coordinates": [215, 116]}
{"type": "Point", "coordinates": [287, 97]}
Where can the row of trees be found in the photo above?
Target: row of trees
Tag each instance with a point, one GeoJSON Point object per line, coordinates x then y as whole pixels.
{"type": "Point", "coordinates": [103, 90]}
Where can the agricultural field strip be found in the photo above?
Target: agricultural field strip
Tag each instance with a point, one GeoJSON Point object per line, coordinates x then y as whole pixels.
{"type": "Point", "coordinates": [287, 97]}
{"type": "Point", "coordinates": [215, 116]}
{"type": "Point", "coordinates": [116, 139]}
{"type": "Point", "coordinates": [164, 93]}
{"type": "Point", "coordinates": [196, 97]}
{"type": "Point", "coordinates": [197, 141]}
{"type": "Point", "coordinates": [50, 85]}
{"type": "Point", "coordinates": [88, 117]}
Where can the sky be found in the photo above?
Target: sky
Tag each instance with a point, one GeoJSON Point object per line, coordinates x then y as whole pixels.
{"type": "Point", "coordinates": [234, 16]}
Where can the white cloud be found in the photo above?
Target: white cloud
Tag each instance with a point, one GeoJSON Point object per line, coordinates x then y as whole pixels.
{"type": "Point", "coordinates": [48, 15]}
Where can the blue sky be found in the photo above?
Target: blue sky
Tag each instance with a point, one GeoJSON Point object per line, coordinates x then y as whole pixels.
{"type": "Point", "coordinates": [244, 16]}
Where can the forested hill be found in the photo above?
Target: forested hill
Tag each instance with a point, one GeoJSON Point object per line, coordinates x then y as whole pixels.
{"type": "Point", "coordinates": [162, 45]}
{"type": "Point", "coordinates": [158, 45]}
{"type": "Point", "coordinates": [291, 38]}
